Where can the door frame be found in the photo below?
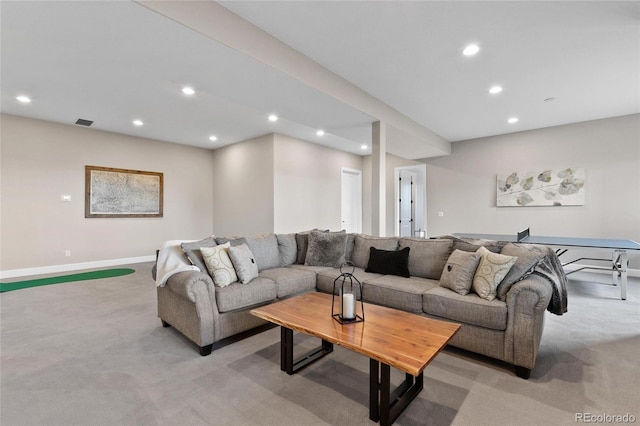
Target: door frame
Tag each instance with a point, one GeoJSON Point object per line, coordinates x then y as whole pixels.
{"type": "Point", "coordinates": [421, 197]}
{"type": "Point", "coordinates": [358, 202]}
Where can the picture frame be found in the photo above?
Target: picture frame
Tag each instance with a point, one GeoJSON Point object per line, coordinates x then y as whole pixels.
{"type": "Point", "coordinates": [122, 193]}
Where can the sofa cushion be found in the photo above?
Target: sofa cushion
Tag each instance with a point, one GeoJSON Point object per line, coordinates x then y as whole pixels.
{"type": "Point", "coordinates": [219, 264]}
{"type": "Point", "coordinates": [326, 278]}
{"type": "Point", "coordinates": [469, 309]}
{"type": "Point", "coordinates": [492, 269]}
{"type": "Point", "coordinates": [192, 251]}
{"type": "Point", "coordinates": [326, 249]}
{"type": "Point", "coordinates": [244, 263]}
{"type": "Point", "coordinates": [237, 295]}
{"type": "Point", "coordinates": [459, 271]}
{"type": "Point", "coordinates": [397, 292]}
{"type": "Point", "coordinates": [351, 241]}
{"type": "Point", "coordinates": [290, 280]}
{"type": "Point", "coordinates": [529, 255]}
{"type": "Point", "coordinates": [393, 262]}
{"type": "Point", "coordinates": [288, 248]}
{"type": "Point", "coordinates": [314, 269]}
{"type": "Point", "coordinates": [234, 241]}
{"type": "Point", "coordinates": [428, 257]}
{"type": "Point", "coordinates": [265, 250]}
{"type": "Point", "coordinates": [363, 244]}
{"type": "Point", "coordinates": [473, 244]}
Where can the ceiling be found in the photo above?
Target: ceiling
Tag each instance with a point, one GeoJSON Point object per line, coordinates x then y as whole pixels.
{"type": "Point", "coordinates": [116, 61]}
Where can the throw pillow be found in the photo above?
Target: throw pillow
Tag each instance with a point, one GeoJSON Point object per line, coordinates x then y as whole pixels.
{"type": "Point", "coordinates": [192, 251]}
{"type": "Point", "coordinates": [243, 262]}
{"type": "Point", "coordinates": [389, 262]}
{"type": "Point", "coordinates": [459, 271]}
{"type": "Point", "coordinates": [529, 255]}
{"type": "Point", "coordinates": [302, 241]}
{"type": "Point", "coordinates": [326, 249]}
{"type": "Point", "coordinates": [492, 269]}
{"type": "Point", "coordinates": [219, 264]}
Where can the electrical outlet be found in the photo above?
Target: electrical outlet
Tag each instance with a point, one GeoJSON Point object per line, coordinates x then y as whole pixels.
{"type": "Point", "coordinates": [440, 214]}
{"type": "Point", "coordinates": [65, 198]}
{"type": "Point", "coordinates": [67, 253]}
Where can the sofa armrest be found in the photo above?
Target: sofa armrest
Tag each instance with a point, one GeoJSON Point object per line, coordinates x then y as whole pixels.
{"type": "Point", "coordinates": [530, 296]}
{"type": "Point", "coordinates": [527, 301]}
{"type": "Point", "coordinates": [190, 284]}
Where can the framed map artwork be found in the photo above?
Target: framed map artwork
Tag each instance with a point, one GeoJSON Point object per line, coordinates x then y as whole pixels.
{"type": "Point", "coordinates": [560, 187]}
{"type": "Point", "coordinates": [113, 192]}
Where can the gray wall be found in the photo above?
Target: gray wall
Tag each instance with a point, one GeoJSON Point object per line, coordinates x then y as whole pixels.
{"type": "Point", "coordinates": [243, 187]}
{"type": "Point", "coordinates": [307, 184]}
{"type": "Point", "coordinates": [42, 161]}
{"type": "Point", "coordinates": [463, 185]}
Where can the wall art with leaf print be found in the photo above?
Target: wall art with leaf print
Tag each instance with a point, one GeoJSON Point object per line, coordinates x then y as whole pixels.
{"type": "Point", "coordinates": [564, 187]}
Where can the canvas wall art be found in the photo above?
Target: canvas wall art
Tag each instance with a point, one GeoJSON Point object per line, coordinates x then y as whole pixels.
{"type": "Point", "coordinates": [563, 187]}
{"type": "Point", "coordinates": [122, 193]}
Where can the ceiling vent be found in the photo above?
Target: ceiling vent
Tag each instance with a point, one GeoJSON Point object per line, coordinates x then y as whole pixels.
{"type": "Point", "coordinates": [83, 122]}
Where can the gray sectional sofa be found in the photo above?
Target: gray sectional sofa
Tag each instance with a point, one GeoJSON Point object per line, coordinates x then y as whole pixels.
{"type": "Point", "coordinates": [508, 328]}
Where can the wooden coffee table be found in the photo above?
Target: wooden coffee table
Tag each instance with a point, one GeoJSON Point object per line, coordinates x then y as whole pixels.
{"type": "Point", "coordinates": [389, 337]}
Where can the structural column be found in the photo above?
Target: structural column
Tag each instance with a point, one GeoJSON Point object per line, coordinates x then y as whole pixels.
{"type": "Point", "coordinates": [378, 174]}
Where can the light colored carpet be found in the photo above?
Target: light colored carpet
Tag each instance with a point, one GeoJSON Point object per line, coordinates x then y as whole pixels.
{"type": "Point", "coordinates": [94, 353]}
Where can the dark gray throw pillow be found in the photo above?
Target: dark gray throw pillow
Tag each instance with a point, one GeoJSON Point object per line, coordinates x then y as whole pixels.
{"type": "Point", "coordinates": [326, 249]}
{"type": "Point", "coordinates": [389, 262]}
{"type": "Point", "coordinates": [192, 250]}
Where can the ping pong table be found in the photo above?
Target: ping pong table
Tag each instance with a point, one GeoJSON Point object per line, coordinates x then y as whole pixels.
{"type": "Point", "coordinates": [619, 256]}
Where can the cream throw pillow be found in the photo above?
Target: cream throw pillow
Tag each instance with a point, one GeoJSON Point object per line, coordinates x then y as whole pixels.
{"type": "Point", "coordinates": [492, 269]}
{"type": "Point", "coordinates": [219, 264]}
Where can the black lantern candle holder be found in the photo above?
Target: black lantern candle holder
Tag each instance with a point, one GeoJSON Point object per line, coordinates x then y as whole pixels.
{"type": "Point", "coordinates": [347, 299]}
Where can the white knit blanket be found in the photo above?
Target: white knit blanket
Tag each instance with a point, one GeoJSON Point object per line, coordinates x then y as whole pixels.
{"type": "Point", "coordinates": [171, 260]}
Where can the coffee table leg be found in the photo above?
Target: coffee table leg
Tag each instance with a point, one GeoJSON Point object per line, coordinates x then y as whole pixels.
{"type": "Point", "coordinates": [385, 406]}
{"type": "Point", "coordinates": [291, 365]}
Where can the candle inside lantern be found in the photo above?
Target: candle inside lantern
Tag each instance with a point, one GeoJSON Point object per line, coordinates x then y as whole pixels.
{"type": "Point", "coordinates": [348, 306]}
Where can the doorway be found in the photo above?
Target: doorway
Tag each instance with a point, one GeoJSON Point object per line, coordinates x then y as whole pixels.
{"type": "Point", "coordinates": [407, 211]}
{"type": "Point", "coordinates": [411, 201]}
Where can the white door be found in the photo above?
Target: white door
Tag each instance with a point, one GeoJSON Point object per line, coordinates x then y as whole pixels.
{"type": "Point", "coordinates": [351, 215]}
{"type": "Point", "coordinates": [407, 205]}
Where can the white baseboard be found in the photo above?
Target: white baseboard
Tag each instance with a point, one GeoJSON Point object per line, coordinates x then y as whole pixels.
{"type": "Point", "coordinates": [574, 266]}
{"type": "Point", "coordinates": [13, 273]}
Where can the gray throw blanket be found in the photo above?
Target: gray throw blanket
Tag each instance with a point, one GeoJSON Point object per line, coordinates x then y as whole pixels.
{"type": "Point", "coordinates": [551, 269]}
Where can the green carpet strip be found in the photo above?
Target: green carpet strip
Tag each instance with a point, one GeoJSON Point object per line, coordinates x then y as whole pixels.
{"type": "Point", "coordinates": [93, 275]}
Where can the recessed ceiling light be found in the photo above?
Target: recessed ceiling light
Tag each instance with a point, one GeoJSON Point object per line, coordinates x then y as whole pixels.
{"type": "Point", "coordinates": [23, 99]}
{"type": "Point", "coordinates": [320, 133]}
{"type": "Point", "coordinates": [471, 50]}
{"type": "Point", "coordinates": [188, 90]}
{"type": "Point", "coordinates": [213, 138]}
{"type": "Point", "coordinates": [138, 122]}
{"type": "Point", "coordinates": [363, 147]}
{"type": "Point", "coordinates": [495, 89]}
{"type": "Point", "coordinates": [513, 120]}
{"type": "Point", "coordinates": [273, 117]}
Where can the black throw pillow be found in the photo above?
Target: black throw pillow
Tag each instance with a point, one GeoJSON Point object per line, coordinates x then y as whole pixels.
{"type": "Point", "coordinates": [389, 262]}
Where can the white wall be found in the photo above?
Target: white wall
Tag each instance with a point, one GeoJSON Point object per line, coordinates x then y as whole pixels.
{"type": "Point", "coordinates": [391, 162]}
{"type": "Point", "coordinates": [42, 161]}
{"type": "Point", "coordinates": [243, 187]}
{"type": "Point", "coordinates": [463, 185]}
{"type": "Point", "coordinates": [307, 185]}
